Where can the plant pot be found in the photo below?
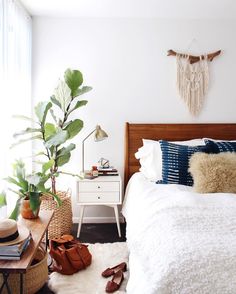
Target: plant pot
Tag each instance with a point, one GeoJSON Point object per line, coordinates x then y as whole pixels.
{"type": "Point", "coordinates": [26, 211]}
{"type": "Point", "coordinates": [61, 223]}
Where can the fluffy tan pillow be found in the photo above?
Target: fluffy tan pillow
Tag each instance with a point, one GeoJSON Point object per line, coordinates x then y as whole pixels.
{"type": "Point", "coordinates": [214, 172]}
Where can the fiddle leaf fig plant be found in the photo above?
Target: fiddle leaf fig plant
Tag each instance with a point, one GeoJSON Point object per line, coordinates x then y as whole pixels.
{"type": "Point", "coordinates": [55, 124]}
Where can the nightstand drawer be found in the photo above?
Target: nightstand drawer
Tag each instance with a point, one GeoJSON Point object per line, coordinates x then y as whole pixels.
{"type": "Point", "coordinates": [99, 186]}
{"type": "Point", "coordinates": [99, 197]}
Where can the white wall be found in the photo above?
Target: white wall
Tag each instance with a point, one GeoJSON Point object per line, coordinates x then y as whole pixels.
{"type": "Point", "coordinates": [125, 62]}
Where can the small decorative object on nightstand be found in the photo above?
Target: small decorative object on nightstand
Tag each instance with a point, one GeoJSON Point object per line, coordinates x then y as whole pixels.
{"type": "Point", "coordinates": [99, 191]}
{"type": "Point", "coordinates": [104, 163]}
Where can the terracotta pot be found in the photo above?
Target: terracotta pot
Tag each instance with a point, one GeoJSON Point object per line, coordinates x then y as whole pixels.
{"type": "Point", "coordinates": [26, 211]}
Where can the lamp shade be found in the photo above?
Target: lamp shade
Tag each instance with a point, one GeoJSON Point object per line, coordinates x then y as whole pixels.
{"type": "Point", "coordinates": [100, 134]}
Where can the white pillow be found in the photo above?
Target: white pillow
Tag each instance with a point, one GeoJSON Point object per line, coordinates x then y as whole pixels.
{"type": "Point", "coordinates": [150, 157]}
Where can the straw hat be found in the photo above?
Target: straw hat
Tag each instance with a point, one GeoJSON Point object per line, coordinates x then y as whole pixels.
{"type": "Point", "coordinates": [11, 233]}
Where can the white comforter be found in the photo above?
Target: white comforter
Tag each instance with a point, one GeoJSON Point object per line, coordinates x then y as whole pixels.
{"type": "Point", "coordinates": [180, 242]}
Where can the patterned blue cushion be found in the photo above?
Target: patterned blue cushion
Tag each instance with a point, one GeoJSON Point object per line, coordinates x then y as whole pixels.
{"type": "Point", "coordinates": [223, 146]}
{"type": "Point", "coordinates": [175, 162]}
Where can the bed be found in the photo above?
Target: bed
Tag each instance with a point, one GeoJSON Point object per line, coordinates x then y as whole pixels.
{"type": "Point", "coordinates": [179, 241]}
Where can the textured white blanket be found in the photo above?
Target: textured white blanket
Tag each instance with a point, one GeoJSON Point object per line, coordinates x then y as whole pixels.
{"type": "Point", "coordinates": [184, 242]}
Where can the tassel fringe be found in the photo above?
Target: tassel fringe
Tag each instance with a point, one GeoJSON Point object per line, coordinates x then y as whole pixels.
{"type": "Point", "coordinates": [192, 82]}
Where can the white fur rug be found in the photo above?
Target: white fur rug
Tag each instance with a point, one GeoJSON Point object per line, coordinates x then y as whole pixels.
{"type": "Point", "coordinates": [90, 281]}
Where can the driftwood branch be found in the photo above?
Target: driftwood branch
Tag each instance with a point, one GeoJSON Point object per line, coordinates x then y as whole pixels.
{"type": "Point", "coordinates": [192, 58]}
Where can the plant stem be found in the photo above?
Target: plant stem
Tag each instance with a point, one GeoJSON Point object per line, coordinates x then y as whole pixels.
{"type": "Point", "coordinates": [70, 174]}
{"type": "Point", "coordinates": [66, 112]}
{"type": "Point", "coordinates": [43, 134]}
{"type": "Point", "coordinates": [53, 179]}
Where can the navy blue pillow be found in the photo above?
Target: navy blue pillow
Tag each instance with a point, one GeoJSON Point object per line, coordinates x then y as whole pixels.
{"type": "Point", "coordinates": [175, 162]}
{"type": "Point", "coordinates": [223, 146]}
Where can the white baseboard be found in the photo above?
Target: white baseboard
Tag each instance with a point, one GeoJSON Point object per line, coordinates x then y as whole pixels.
{"type": "Point", "coordinates": [98, 220]}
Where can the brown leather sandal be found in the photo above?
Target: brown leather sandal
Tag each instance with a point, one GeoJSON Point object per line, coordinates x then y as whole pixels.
{"type": "Point", "coordinates": [115, 283]}
{"type": "Point", "coordinates": [111, 271]}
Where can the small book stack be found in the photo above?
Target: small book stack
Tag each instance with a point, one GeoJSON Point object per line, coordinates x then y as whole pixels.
{"type": "Point", "coordinates": [14, 252]}
{"type": "Point", "coordinates": [107, 171]}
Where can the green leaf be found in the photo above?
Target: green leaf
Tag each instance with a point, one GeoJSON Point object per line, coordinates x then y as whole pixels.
{"type": "Point", "coordinates": [52, 148]}
{"type": "Point", "coordinates": [19, 173]}
{"type": "Point", "coordinates": [12, 181]}
{"type": "Point", "coordinates": [66, 150]}
{"type": "Point", "coordinates": [3, 200]}
{"type": "Point", "coordinates": [53, 115]}
{"type": "Point", "coordinates": [38, 154]}
{"type": "Point", "coordinates": [59, 138]}
{"type": "Point", "coordinates": [56, 198]}
{"type": "Point", "coordinates": [16, 210]}
{"type": "Point", "coordinates": [74, 79]}
{"type": "Point", "coordinates": [19, 176]}
{"type": "Point", "coordinates": [27, 131]}
{"type": "Point", "coordinates": [49, 129]}
{"type": "Point", "coordinates": [34, 198]}
{"type": "Point", "coordinates": [47, 165]}
{"type": "Point", "coordinates": [24, 185]}
{"type": "Point", "coordinates": [41, 184]}
{"type": "Point", "coordinates": [83, 90]}
{"type": "Point", "coordinates": [78, 105]}
{"type": "Point", "coordinates": [63, 95]}
{"type": "Point", "coordinates": [42, 189]}
{"type": "Point", "coordinates": [64, 154]}
{"type": "Point", "coordinates": [74, 128]}
{"type": "Point", "coordinates": [63, 159]}
{"type": "Point", "coordinates": [33, 179]}
{"type": "Point", "coordinates": [55, 101]}
{"type": "Point", "coordinates": [19, 193]}
{"type": "Point", "coordinates": [38, 137]}
{"type": "Point", "coordinates": [41, 110]}
{"type": "Point", "coordinates": [19, 169]}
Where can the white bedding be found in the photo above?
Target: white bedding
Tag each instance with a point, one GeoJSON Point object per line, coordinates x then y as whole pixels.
{"type": "Point", "coordinates": [180, 242]}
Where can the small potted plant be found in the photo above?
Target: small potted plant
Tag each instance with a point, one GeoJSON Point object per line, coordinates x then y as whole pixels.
{"type": "Point", "coordinates": [29, 190]}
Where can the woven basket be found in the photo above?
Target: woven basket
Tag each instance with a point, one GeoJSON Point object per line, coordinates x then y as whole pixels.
{"type": "Point", "coordinates": [61, 222]}
{"type": "Point", "coordinates": [35, 277]}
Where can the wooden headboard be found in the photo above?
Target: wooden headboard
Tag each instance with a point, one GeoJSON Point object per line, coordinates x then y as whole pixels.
{"type": "Point", "coordinates": [171, 132]}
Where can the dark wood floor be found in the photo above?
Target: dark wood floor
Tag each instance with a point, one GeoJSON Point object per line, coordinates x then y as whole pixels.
{"type": "Point", "coordinates": [100, 233]}
{"type": "Point", "coordinates": [95, 233]}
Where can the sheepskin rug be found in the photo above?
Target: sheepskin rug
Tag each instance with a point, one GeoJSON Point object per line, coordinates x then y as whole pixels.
{"type": "Point", "coordinates": [90, 281]}
{"type": "Point", "coordinates": [214, 173]}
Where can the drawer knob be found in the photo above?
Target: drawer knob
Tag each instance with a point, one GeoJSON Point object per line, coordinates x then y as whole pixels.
{"type": "Point", "coordinates": [99, 197]}
{"type": "Point", "coordinates": [99, 187]}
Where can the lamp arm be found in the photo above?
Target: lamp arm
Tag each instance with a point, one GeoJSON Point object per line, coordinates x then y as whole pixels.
{"type": "Point", "coordinates": [83, 148]}
{"type": "Point", "coordinates": [89, 135]}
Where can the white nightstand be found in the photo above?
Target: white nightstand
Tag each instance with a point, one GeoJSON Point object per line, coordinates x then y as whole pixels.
{"type": "Point", "coordinates": [103, 190]}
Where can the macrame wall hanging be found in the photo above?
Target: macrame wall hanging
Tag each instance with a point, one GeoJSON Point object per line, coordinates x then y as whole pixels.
{"type": "Point", "coordinates": [193, 78]}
